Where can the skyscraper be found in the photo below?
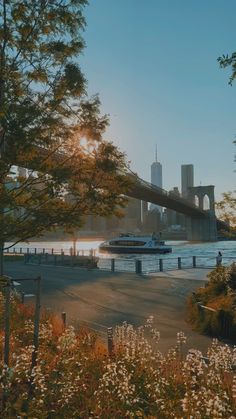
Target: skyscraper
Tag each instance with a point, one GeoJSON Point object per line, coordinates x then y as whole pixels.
{"type": "Point", "coordinates": [156, 179]}
{"type": "Point", "coordinates": [187, 179]}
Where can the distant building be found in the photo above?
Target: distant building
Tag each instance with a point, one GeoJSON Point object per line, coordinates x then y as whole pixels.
{"type": "Point", "coordinates": [144, 211]}
{"type": "Point", "coordinates": [132, 220]}
{"type": "Point", "coordinates": [172, 216]}
{"type": "Point", "coordinates": [152, 222]}
{"type": "Point", "coordinates": [187, 179]}
{"type": "Point", "coordinates": [156, 179]}
{"type": "Point", "coordinates": [22, 172]}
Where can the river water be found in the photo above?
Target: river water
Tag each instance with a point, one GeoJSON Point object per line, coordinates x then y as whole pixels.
{"type": "Point", "coordinates": [205, 254]}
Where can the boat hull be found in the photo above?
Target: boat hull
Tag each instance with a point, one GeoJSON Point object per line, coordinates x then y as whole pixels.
{"type": "Point", "coordinates": [122, 250]}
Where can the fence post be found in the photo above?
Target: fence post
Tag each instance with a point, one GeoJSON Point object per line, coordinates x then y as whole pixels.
{"type": "Point", "coordinates": [20, 250]}
{"type": "Point", "coordinates": [161, 265]}
{"type": "Point", "coordinates": [110, 344]}
{"type": "Point", "coordinates": [194, 262]}
{"type": "Point", "coordinates": [138, 266]}
{"type": "Point", "coordinates": [63, 317]}
{"type": "Point", "coordinates": [43, 251]}
{"type": "Point", "coordinates": [112, 265]}
{"type": "Point", "coordinates": [35, 251]}
{"type": "Point", "coordinates": [179, 263]}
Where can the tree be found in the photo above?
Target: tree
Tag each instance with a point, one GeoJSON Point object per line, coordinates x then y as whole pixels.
{"type": "Point", "coordinates": [226, 209]}
{"type": "Point", "coordinates": [229, 61]}
{"type": "Point", "coordinates": [227, 206]}
{"type": "Point", "coordinates": [49, 125]}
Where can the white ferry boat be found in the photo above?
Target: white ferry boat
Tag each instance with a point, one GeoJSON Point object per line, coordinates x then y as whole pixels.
{"type": "Point", "coordinates": [131, 243]}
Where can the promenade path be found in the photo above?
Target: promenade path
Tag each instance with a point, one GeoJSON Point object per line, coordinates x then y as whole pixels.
{"type": "Point", "coordinates": [100, 298]}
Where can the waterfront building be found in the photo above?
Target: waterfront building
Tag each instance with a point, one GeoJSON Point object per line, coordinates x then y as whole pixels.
{"type": "Point", "coordinates": [172, 216]}
{"type": "Point", "coordinates": [144, 211]}
{"type": "Point", "coordinates": [22, 172]}
{"type": "Point", "coordinates": [153, 222]}
{"type": "Point", "coordinates": [132, 219]}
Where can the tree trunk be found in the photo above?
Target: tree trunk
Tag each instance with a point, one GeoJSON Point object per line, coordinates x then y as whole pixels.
{"type": "Point", "coordinates": [1, 258]}
{"type": "Point", "coordinates": [74, 245]}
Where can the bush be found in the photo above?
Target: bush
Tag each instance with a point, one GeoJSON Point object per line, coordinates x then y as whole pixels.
{"type": "Point", "coordinates": [219, 296]}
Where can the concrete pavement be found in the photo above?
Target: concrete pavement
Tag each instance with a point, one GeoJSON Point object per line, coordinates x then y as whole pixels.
{"type": "Point", "coordinates": [101, 299]}
{"type": "Point", "coordinates": [196, 274]}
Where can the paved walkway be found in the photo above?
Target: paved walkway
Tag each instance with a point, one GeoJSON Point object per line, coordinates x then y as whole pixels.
{"type": "Point", "coordinates": [197, 274]}
{"type": "Point", "coordinates": [102, 299]}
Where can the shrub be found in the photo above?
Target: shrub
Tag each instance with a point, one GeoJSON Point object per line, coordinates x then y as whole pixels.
{"type": "Point", "coordinates": [219, 296]}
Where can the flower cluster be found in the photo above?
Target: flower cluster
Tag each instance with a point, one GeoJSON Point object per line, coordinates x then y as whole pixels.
{"type": "Point", "coordinates": [74, 376]}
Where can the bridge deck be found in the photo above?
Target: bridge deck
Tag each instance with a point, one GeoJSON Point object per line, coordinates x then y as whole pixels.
{"type": "Point", "coordinates": [145, 191]}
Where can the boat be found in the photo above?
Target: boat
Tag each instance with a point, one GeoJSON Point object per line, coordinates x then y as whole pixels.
{"type": "Point", "coordinates": [131, 243]}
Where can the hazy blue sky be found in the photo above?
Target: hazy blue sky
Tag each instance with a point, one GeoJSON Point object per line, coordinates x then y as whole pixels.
{"type": "Point", "coordinates": [154, 65]}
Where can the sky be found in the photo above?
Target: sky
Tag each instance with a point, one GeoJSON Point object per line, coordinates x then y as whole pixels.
{"type": "Point", "coordinates": [154, 65]}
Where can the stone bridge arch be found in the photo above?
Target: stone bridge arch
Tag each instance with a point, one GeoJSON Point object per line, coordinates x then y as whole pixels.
{"type": "Point", "coordinates": [202, 229]}
{"type": "Point", "coordinates": [200, 192]}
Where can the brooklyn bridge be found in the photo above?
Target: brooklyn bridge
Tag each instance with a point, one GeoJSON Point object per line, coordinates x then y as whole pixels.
{"type": "Point", "coordinates": [201, 224]}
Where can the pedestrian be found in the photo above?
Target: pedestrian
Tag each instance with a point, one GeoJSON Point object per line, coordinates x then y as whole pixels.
{"type": "Point", "coordinates": [219, 259]}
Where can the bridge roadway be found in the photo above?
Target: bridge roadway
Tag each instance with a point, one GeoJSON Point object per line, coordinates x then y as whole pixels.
{"type": "Point", "coordinates": [148, 192]}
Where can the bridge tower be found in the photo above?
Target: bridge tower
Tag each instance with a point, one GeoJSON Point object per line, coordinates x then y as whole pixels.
{"type": "Point", "coordinates": [202, 228]}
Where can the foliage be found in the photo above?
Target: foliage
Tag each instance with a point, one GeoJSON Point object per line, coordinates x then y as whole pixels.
{"type": "Point", "coordinates": [49, 125]}
{"type": "Point", "coordinates": [229, 61]}
{"type": "Point", "coordinates": [74, 376]}
{"type": "Point", "coordinates": [226, 209]}
{"type": "Point", "coordinates": [219, 295]}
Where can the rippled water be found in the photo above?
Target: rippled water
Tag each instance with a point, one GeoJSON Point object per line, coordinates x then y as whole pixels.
{"type": "Point", "coordinates": [205, 254]}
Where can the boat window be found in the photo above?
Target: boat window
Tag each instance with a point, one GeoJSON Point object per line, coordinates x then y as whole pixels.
{"type": "Point", "coordinates": [127, 243]}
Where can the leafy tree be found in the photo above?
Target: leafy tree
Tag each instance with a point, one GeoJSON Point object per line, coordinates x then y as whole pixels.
{"type": "Point", "coordinates": [226, 209]}
{"type": "Point", "coordinates": [229, 61]}
{"type": "Point", "coordinates": [227, 206]}
{"type": "Point", "coordinates": [49, 125]}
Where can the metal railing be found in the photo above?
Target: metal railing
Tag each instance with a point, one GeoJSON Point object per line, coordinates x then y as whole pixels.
{"type": "Point", "coordinates": [134, 265]}
{"type": "Point", "coordinates": [147, 266]}
{"type": "Point", "coordinates": [48, 250]}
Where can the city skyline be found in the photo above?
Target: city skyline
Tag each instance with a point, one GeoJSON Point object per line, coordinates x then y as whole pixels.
{"type": "Point", "coordinates": [154, 65]}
